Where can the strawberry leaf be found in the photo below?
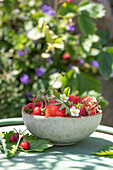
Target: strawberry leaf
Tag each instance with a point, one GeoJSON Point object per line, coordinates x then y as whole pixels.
{"type": "Point", "coordinates": [36, 144]}
{"type": "Point", "coordinates": [62, 106]}
{"type": "Point", "coordinates": [11, 148]}
{"type": "Point", "coordinates": [67, 110]}
{"type": "Point", "coordinates": [106, 150]}
{"type": "Point", "coordinates": [56, 94]}
{"type": "Point", "coordinates": [57, 100]}
{"type": "Point", "coordinates": [67, 91]}
{"type": "Point", "coordinates": [57, 103]}
{"type": "Point", "coordinates": [7, 148]}
{"type": "Point", "coordinates": [104, 153]}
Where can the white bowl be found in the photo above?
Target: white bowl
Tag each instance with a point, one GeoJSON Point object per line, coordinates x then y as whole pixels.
{"type": "Point", "coordinates": [61, 130]}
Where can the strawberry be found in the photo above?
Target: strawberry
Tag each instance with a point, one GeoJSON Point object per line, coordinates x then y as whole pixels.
{"type": "Point", "coordinates": [38, 104]}
{"type": "Point", "coordinates": [37, 111]}
{"type": "Point", "coordinates": [29, 106]}
{"type": "Point", "coordinates": [75, 99]}
{"type": "Point", "coordinates": [54, 110]}
{"type": "Point", "coordinates": [83, 112]}
{"type": "Point", "coordinates": [34, 98]}
{"type": "Point", "coordinates": [69, 1]}
{"type": "Point", "coordinates": [25, 145]}
{"type": "Point", "coordinates": [66, 56]}
{"type": "Point", "coordinates": [14, 138]}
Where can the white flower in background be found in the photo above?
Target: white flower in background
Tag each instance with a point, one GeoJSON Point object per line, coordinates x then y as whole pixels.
{"type": "Point", "coordinates": [40, 22]}
{"type": "Point", "coordinates": [63, 97]}
{"type": "Point", "coordinates": [74, 111]}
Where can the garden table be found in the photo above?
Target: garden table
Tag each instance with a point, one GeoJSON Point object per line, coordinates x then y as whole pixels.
{"type": "Point", "coordinates": [78, 156]}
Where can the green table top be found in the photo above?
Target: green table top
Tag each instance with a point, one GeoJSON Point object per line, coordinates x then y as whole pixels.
{"type": "Point", "coordinates": [78, 156]}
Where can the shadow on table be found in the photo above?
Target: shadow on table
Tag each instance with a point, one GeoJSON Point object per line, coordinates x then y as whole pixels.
{"type": "Point", "coordinates": [78, 156]}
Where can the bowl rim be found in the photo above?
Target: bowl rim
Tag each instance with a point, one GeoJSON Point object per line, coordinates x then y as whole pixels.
{"type": "Point", "coordinates": [50, 117]}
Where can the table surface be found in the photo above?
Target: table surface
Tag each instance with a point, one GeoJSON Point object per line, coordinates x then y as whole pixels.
{"type": "Point", "coordinates": [78, 156]}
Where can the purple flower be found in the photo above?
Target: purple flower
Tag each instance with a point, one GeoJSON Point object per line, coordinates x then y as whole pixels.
{"type": "Point", "coordinates": [77, 42]}
{"type": "Point", "coordinates": [46, 8]}
{"type": "Point", "coordinates": [40, 71]}
{"type": "Point", "coordinates": [95, 63]}
{"type": "Point", "coordinates": [111, 75]}
{"type": "Point", "coordinates": [29, 95]}
{"type": "Point", "coordinates": [69, 67]}
{"type": "Point", "coordinates": [25, 79]}
{"type": "Point", "coordinates": [27, 50]}
{"type": "Point", "coordinates": [20, 53]}
{"type": "Point", "coordinates": [81, 62]}
{"type": "Point", "coordinates": [71, 27]}
{"type": "Point", "coordinates": [50, 61]}
{"type": "Point", "coordinates": [51, 13]}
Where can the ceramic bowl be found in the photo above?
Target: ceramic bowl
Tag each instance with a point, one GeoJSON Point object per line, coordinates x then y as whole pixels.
{"type": "Point", "coordinates": [61, 130]}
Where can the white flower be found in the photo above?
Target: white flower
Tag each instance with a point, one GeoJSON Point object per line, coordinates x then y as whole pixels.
{"type": "Point", "coordinates": [74, 111]}
{"type": "Point", "coordinates": [63, 97]}
{"type": "Point", "coordinates": [94, 100]}
{"type": "Point", "coordinates": [40, 22]}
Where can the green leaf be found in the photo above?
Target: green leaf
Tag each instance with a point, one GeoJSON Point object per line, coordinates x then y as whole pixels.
{"type": "Point", "coordinates": [94, 10]}
{"type": "Point", "coordinates": [56, 94]}
{"type": "Point", "coordinates": [67, 110]}
{"type": "Point", "coordinates": [48, 35]}
{"type": "Point", "coordinates": [104, 153]}
{"type": "Point", "coordinates": [7, 147]}
{"type": "Point", "coordinates": [67, 10]}
{"type": "Point", "coordinates": [87, 82]}
{"type": "Point", "coordinates": [62, 106]}
{"type": "Point", "coordinates": [86, 24]}
{"type": "Point", "coordinates": [37, 145]}
{"type": "Point", "coordinates": [35, 34]}
{"type": "Point", "coordinates": [105, 64]}
{"type": "Point", "coordinates": [85, 2]}
{"type": "Point", "coordinates": [57, 103]}
{"type": "Point", "coordinates": [67, 91]}
{"type": "Point", "coordinates": [108, 49]}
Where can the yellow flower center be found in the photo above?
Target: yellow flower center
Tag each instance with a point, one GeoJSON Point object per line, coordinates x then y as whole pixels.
{"type": "Point", "coordinates": [74, 111]}
{"type": "Point", "coordinates": [63, 98]}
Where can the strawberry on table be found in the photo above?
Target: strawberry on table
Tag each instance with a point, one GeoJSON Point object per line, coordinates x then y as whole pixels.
{"type": "Point", "coordinates": [14, 138]}
{"type": "Point", "coordinates": [25, 145]}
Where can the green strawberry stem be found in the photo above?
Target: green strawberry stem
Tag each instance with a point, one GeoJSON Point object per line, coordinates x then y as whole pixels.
{"type": "Point", "coordinates": [20, 136]}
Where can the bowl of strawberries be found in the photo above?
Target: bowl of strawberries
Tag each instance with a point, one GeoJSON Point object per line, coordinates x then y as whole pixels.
{"type": "Point", "coordinates": [64, 119]}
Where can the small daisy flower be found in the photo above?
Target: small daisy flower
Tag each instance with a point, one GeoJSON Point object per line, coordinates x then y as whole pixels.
{"type": "Point", "coordinates": [63, 97]}
{"type": "Point", "coordinates": [74, 111]}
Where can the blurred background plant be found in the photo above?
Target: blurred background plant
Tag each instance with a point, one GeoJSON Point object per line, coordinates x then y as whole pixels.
{"type": "Point", "coordinates": [38, 42]}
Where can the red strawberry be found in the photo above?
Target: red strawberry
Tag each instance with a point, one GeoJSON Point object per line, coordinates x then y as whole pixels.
{"type": "Point", "coordinates": [38, 104]}
{"type": "Point", "coordinates": [25, 145]}
{"type": "Point", "coordinates": [37, 111]}
{"type": "Point", "coordinates": [75, 99]}
{"type": "Point", "coordinates": [83, 112]}
{"type": "Point", "coordinates": [66, 56]}
{"type": "Point", "coordinates": [14, 138]}
{"type": "Point", "coordinates": [69, 1]}
{"type": "Point", "coordinates": [34, 98]}
{"type": "Point", "coordinates": [29, 106]}
{"type": "Point", "coordinates": [54, 110]}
